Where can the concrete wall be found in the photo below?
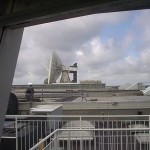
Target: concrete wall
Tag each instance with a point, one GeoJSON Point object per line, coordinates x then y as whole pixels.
{"type": "Point", "coordinates": [95, 108]}
{"type": "Point", "coordinates": [107, 112]}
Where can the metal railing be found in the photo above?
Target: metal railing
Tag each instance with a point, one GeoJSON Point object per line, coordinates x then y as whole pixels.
{"type": "Point", "coordinates": [101, 139]}
{"type": "Point", "coordinates": [83, 132]}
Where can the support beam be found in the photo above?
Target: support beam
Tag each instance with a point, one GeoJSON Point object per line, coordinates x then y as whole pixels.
{"type": "Point", "coordinates": [9, 48]}
{"type": "Point", "coordinates": [32, 12]}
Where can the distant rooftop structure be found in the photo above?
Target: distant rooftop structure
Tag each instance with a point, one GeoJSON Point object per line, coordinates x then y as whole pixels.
{"type": "Point", "coordinates": [124, 86]}
{"type": "Point", "coordinates": [45, 108]}
{"type": "Point", "coordinates": [136, 86]}
{"type": "Point", "coordinates": [90, 82]}
{"type": "Point", "coordinates": [142, 86]}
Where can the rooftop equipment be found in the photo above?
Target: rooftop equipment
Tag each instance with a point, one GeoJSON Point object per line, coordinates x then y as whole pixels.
{"type": "Point", "coordinates": [56, 68]}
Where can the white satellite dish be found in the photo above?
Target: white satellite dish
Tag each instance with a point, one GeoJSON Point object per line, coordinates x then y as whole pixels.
{"type": "Point", "coordinates": [55, 68]}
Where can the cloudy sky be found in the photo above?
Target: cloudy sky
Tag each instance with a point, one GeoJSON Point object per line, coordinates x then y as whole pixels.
{"type": "Point", "coordinates": [111, 47]}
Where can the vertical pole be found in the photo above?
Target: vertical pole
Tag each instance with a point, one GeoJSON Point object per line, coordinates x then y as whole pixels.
{"type": "Point", "coordinates": [42, 92]}
{"type": "Point", "coordinates": [81, 142]}
{"type": "Point", "coordinates": [80, 122]}
{"type": "Point", "coordinates": [135, 142]}
{"type": "Point", "coordinates": [149, 134]}
{"type": "Point", "coordinates": [127, 141]}
{"type": "Point", "coordinates": [16, 127]}
{"type": "Point", "coordinates": [30, 105]}
{"type": "Point", "coordinates": [68, 142]}
{"type": "Point", "coordinates": [94, 141]}
{"type": "Point", "coordinates": [90, 144]}
{"type": "Point", "coordinates": [56, 141]}
{"type": "Point", "coordinates": [10, 41]}
{"type": "Point", "coordinates": [82, 92]}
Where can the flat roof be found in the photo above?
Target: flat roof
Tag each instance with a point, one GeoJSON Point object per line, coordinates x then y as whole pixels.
{"type": "Point", "coordinates": [114, 99]}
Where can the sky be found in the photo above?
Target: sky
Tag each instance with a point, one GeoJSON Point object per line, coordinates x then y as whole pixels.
{"type": "Point", "coordinates": [111, 47]}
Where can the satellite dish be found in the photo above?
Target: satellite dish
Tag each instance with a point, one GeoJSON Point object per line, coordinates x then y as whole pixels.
{"type": "Point", "coordinates": [55, 68]}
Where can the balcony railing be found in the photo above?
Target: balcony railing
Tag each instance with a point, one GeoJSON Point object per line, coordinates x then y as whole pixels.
{"type": "Point", "coordinates": [111, 139]}
{"type": "Point", "coordinates": [78, 132]}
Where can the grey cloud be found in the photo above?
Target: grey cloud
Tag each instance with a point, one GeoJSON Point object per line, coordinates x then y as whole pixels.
{"type": "Point", "coordinates": [69, 34]}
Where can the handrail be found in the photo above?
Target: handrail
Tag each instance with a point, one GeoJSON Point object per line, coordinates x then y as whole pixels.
{"type": "Point", "coordinates": [35, 146]}
{"type": "Point", "coordinates": [75, 116]}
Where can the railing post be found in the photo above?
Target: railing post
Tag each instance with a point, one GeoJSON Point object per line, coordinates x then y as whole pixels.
{"type": "Point", "coordinates": [94, 141]}
{"type": "Point", "coordinates": [149, 133]}
{"type": "Point", "coordinates": [135, 142]}
{"type": "Point", "coordinates": [68, 142]}
{"type": "Point", "coordinates": [16, 128]}
{"type": "Point", "coordinates": [127, 141]}
{"type": "Point", "coordinates": [56, 140]}
{"type": "Point", "coordinates": [81, 142]}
